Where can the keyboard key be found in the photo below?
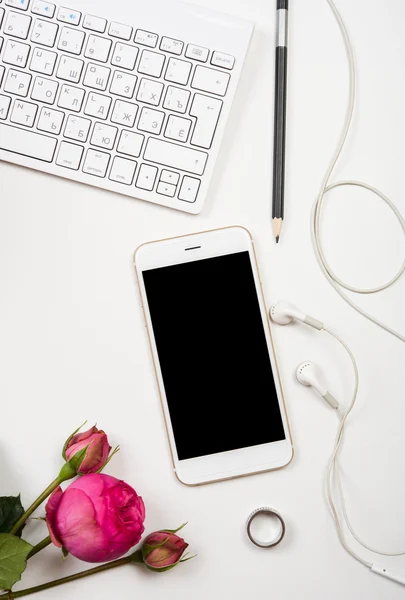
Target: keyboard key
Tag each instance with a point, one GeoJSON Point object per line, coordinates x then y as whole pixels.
{"type": "Point", "coordinates": [43, 61]}
{"type": "Point", "coordinates": [118, 30]}
{"type": "Point", "coordinates": [151, 63]}
{"type": "Point", "coordinates": [178, 71]}
{"type": "Point", "coordinates": [66, 15]}
{"type": "Point", "coordinates": [98, 48]}
{"type": "Point", "coordinates": [123, 170]}
{"type": "Point", "coordinates": [20, 4]}
{"type": "Point", "coordinates": [17, 82]}
{"type": "Point", "coordinates": [226, 61]}
{"type": "Point", "coordinates": [97, 106]}
{"type": "Point", "coordinates": [71, 40]}
{"type": "Point", "coordinates": [169, 177]}
{"type": "Point", "coordinates": [50, 120]}
{"type": "Point", "coordinates": [96, 77]}
{"type": "Point", "coordinates": [27, 143]}
{"type": "Point", "coordinates": [94, 23]}
{"type": "Point", "coordinates": [2, 71]}
{"type": "Point", "coordinates": [177, 128]}
{"type": "Point", "coordinates": [23, 113]}
{"type": "Point", "coordinates": [70, 69]}
{"type": "Point", "coordinates": [42, 8]}
{"type": "Point", "coordinates": [77, 128]}
{"type": "Point", "coordinates": [172, 46]}
{"type": "Point", "coordinates": [130, 143]}
{"type": "Point", "coordinates": [207, 111]}
{"type": "Point", "coordinates": [124, 113]}
{"type": "Point", "coordinates": [44, 90]}
{"type": "Point", "coordinates": [5, 102]}
{"type": "Point", "coordinates": [124, 56]}
{"type": "Point", "coordinates": [104, 136]}
{"type": "Point", "coordinates": [71, 98]}
{"type": "Point", "coordinates": [189, 189]}
{"type": "Point", "coordinates": [123, 84]}
{"type": "Point", "coordinates": [44, 33]}
{"type": "Point", "coordinates": [17, 25]}
{"type": "Point", "coordinates": [96, 163]}
{"type": "Point", "coordinates": [150, 91]}
{"type": "Point", "coordinates": [151, 120]}
{"type": "Point", "coordinates": [146, 38]}
{"type": "Point", "coordinates": [197, 53]}
{"type": "Point", "coordinates": [2, 11]}
{"type": "Point", "coordinates": [210, 80]}
{"type": "Point", "coordinates": [175, 156]}
{"type": "Point", "coordinates": [166, 189]}
{"type": "Point", "coordinates": [16, 53]}
{"type": "Point", "coordinates": [176, 99]}
{"type": "Point", "coordinates": [146, 177]}
{"type": "Point", "coordinates": [69, 155]}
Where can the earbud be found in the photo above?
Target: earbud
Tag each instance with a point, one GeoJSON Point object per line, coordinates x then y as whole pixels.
{"type": "Point", "coordinates": [309, 374]}
{"type": "Point", "coordinates": [282, 312]}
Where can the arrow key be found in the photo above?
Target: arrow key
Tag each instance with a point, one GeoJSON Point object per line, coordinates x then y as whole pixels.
{"type": "Point", "coordinates": [166, 189]}
{"type": "Point", "coordinates": [146, 177]}
{"type": "Point", "coordinates": [189, 189]}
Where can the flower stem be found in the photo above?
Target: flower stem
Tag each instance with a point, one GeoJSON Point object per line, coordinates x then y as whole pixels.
{"type": "Point", "coordinates": [66, 473]}
{"type": "Point", "coordinates": [39, 547]}
{"type": "Point", "coordinates": [136, 557]}
{"type": "Point", "coordinates": [35, 505]}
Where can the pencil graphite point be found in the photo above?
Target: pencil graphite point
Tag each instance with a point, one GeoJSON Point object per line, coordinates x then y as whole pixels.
{"type": "Point", "coordinates": [277, 225]}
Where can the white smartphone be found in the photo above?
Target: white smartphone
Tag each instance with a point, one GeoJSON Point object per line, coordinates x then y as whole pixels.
{"type": "Point", "coordinates": [214, 359]}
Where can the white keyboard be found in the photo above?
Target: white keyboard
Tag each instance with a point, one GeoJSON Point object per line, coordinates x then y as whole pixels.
{"type": "Point", "coordinates": [134, 105]}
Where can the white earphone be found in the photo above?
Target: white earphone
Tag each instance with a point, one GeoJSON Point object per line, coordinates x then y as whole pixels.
{"type": "Point", "coordinates": [309, 374]}
{"type": "Point", "coordinates": [283, 312]}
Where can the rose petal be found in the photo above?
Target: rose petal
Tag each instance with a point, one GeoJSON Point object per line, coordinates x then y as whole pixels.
{"type": "Point", "coordinates": [96, 455]}
{"type": "Point", "coordinates": [79, 437]}
{"type": "Point", "coordinates": [79, 529]}
{"type": "Point", "coordinates": [50, 509]}
{"type": "Point", "coordinates": [168, 553]}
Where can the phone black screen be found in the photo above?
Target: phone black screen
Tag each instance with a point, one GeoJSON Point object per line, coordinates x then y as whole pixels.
{"type": "Point", "coordinates": [213, 355]}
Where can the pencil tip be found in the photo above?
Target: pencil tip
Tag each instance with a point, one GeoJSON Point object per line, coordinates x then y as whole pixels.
{"type": "Point", "coordinates": [277, 238]}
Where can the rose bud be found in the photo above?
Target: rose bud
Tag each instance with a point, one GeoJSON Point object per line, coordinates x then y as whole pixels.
{"type": "Point", "coordinates": [89, 451]}
{"type": "Point", "coordinates": [97, 518]}
{"type": "Point", "coordinates": [162, 550]}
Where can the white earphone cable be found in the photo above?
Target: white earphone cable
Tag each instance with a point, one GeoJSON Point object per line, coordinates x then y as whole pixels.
{"type": "Point", "coordinates": [333, 279]}
{"type": "Point", "coordinates": [333, 471]}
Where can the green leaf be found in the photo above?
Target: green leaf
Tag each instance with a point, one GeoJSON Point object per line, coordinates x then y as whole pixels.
{"type": "Point", "coordinates": [65, 553]}
{"type": "Point", "coordinates": [13, 559]}
{"type": "Point", "coordinates": [117, 449]}
{"type": "Point", "coordinates": [11, 510]}
{"type": "Point", "coordinates": [174, 530]}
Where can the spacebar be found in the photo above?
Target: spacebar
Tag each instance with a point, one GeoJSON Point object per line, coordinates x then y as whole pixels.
{"type": "Point", "coordinates": [27, 143]}
{"type": "Point", "coordinates": [175, 156]}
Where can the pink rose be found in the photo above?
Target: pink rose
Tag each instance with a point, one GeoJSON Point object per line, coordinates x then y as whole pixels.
{"type": "Point", "coordinates": [162, 550]}
{"type": "Point", "coordinates": [97, 518]}
{"type": "Point", "coordinates": [96, 455]}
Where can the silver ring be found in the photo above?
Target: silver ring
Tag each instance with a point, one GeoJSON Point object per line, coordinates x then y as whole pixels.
{"type": "Point", "coordinates": [266, 511]}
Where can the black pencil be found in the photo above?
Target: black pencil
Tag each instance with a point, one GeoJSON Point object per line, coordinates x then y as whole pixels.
{"type": "Point", "coordinates": [280, 102]}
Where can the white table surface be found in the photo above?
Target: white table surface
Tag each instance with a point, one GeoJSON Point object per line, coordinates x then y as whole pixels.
{"type": "Point", "coordinates": [73, 343]}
